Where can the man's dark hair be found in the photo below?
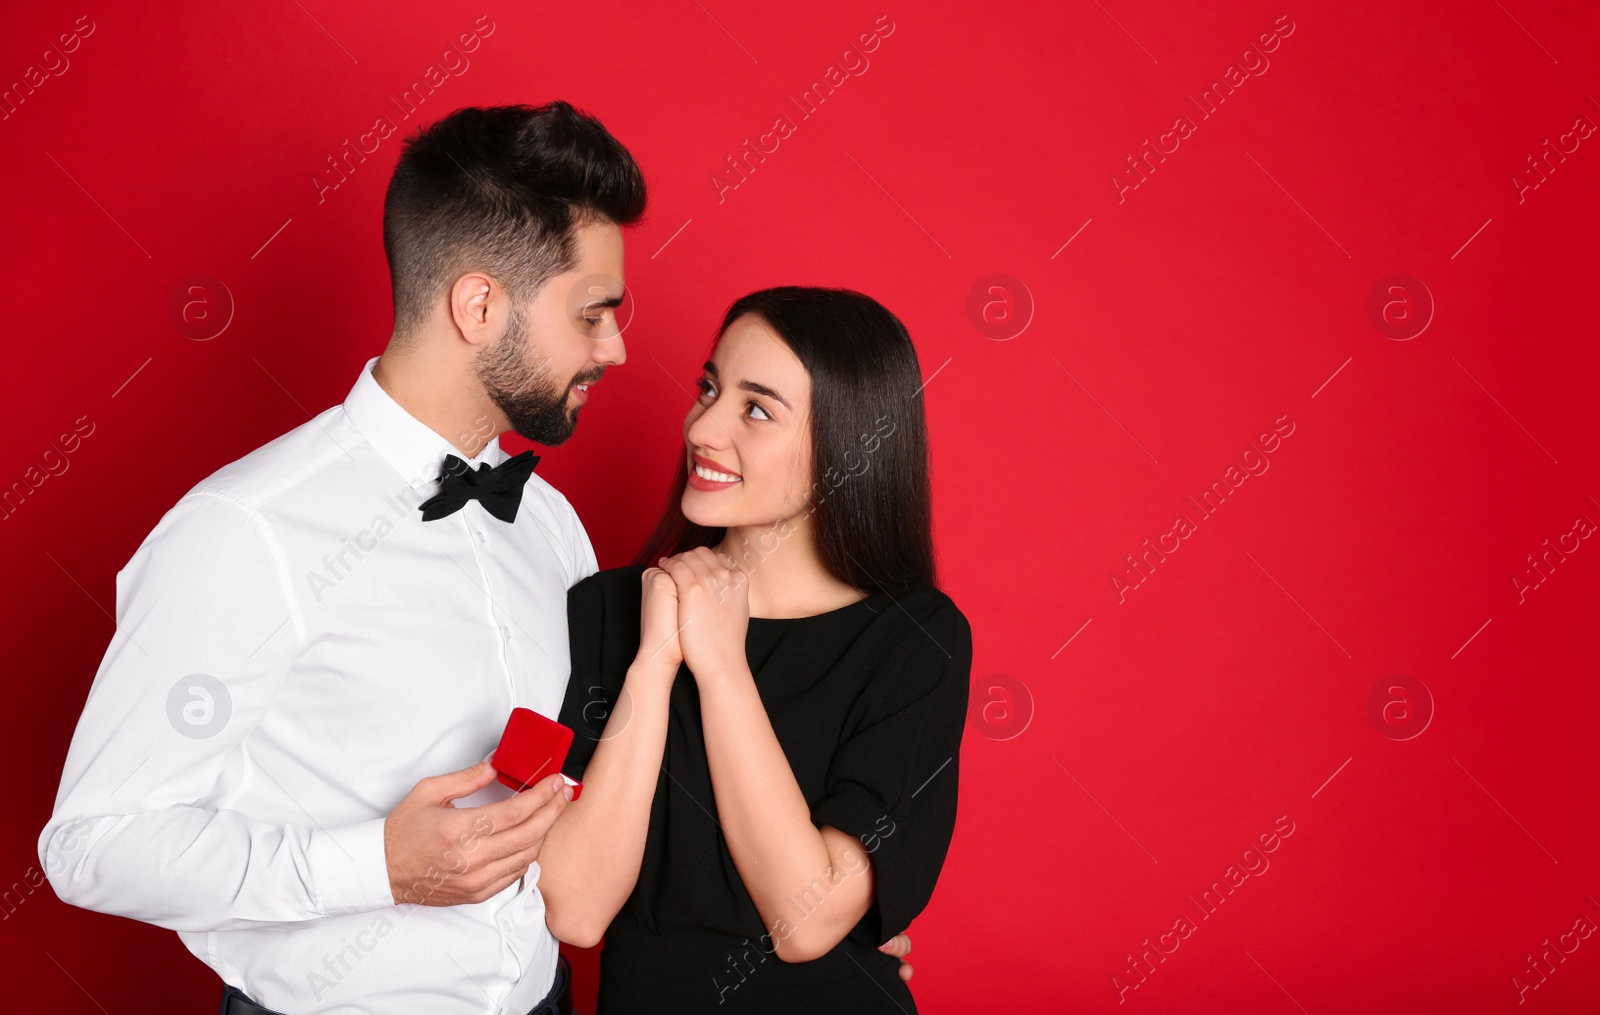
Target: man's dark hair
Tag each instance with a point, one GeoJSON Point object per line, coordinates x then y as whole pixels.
{"type": "Point", "coordinates": [500, 190]}
{"type": "Point", "coordinates": [869, 440]}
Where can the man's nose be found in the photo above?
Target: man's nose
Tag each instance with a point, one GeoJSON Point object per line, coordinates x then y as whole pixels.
{"type": "Point", "coordinates": [610, 348]}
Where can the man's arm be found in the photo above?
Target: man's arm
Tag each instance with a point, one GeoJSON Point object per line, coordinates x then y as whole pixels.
{"type": "Point", "coordinates": [143, 827]}
{"type": "Point", "coordinates": [580, 550]}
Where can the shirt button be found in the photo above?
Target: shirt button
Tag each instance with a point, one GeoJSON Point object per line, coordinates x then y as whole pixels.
{"type": "Point", "coordinates": [505, 632]}
{"type": "Point", "coordinates": [479, 534]}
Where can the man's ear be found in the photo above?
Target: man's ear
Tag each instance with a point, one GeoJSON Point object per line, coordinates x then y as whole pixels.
{"type": "Point", "coordinates": [477, 306]}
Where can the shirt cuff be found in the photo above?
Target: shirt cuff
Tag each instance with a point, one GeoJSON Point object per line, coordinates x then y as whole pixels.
{"type": "Point", "coordinates": [349, 870]}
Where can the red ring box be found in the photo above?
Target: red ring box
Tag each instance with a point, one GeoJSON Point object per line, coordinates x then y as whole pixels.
{"type": "Point", "coordinates": [532, 747]}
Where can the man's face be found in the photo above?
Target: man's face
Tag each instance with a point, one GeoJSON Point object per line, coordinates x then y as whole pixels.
{"type": "Point", "coordinates": [559, 343]}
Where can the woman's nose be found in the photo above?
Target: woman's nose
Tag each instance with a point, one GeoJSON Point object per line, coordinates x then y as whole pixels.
{"type": "Point", "coordinates": [705, 428]}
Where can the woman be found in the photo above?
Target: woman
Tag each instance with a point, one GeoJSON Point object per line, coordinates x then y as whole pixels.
{"type": "Point", "coordinates": [769, 703]}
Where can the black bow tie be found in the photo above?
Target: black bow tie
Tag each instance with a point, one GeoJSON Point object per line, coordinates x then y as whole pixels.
{"type": "Point", "coordinates": [499, 489]}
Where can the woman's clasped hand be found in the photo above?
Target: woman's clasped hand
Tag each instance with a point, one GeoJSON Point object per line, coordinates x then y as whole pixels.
{"type": "Point", "coordinates": [712, 599]}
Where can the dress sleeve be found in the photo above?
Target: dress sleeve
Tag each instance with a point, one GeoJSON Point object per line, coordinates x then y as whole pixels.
{"type": "Point", "coordinates": [590, 695]}
{"type": "Point", "coordinates": [892, 782]}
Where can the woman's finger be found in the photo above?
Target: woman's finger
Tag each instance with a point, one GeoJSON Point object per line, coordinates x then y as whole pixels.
{"type": "Point", "coordinates": [681, 571]}
{"type": "Point", "coordinates": [720, 575]}
{"type": "Point", "coordinates": [659, 581]}
{"type": "Point", "coordinates": [716, 567]}
{"type": "Point", "coordinates": [696, 563]}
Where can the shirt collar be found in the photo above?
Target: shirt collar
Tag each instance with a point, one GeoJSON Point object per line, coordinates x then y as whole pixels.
{"type": "Point", "coordinates": [415, 449]}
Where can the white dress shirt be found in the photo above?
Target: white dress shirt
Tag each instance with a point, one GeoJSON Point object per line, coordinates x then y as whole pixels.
{"type": "Point", "coordinates": [295, 649]}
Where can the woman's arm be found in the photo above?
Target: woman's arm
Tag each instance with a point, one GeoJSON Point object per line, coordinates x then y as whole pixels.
{"type": "Point", "coordinates": [811, 885]}
{"type": "Point", "coordinates": [590, 859]}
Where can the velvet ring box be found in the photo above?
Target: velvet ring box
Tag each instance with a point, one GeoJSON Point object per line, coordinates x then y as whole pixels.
{"type": "Point", "coordinates": [533, 747]}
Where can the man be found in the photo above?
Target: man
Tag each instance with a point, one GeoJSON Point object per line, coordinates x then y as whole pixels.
{"type": "Point", "coordinates": [318, 629]}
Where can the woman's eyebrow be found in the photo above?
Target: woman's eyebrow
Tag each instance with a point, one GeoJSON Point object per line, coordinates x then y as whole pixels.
{"type": "Point", "coordinates": [760, 389]}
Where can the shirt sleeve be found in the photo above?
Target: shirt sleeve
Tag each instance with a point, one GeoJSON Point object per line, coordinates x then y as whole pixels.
{"type": "Point", "coordinates": [591, 694]}
{"type": "Point", "coordinates": [142, 825]}
{"type": "Point", "coordinates": [581, 561]}
{"type": "Point", "coordinates": [892, 782]}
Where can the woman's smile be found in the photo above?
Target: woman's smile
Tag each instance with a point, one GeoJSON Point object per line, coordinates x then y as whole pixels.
{"type": "Point", "coordinates": [708, 475]}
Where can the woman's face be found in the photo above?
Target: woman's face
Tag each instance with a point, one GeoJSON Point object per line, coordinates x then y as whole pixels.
{"type": "Point", "coordinates": [748, 435]}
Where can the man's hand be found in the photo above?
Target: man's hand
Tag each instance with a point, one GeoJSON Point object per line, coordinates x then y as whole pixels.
{"type": "Point", "coordinates": [441, 856]}
{"type": "Point", "coordinates": [899, 946]}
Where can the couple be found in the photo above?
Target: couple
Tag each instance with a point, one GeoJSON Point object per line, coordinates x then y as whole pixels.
{"type": "Point", "coordinates": [768, 706]}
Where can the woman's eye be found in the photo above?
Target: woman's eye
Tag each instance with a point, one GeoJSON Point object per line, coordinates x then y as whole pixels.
{"type": "Point", "coordinates": [756, 407]}
{"type": "Point", "coordinates": [704, 386]}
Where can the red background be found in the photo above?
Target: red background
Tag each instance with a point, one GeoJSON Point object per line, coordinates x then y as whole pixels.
{"type": "Point", "coordinates": [1105, 780]}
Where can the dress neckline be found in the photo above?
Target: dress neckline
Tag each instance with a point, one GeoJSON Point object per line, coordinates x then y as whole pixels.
{"type": "Point", "coordinates": [893, 592]}
{"type": "Point", "coordinates": [825, 614]}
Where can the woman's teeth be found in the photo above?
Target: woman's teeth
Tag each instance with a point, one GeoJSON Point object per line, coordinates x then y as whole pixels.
{"type": "Point", "coordinates": [715, 477]}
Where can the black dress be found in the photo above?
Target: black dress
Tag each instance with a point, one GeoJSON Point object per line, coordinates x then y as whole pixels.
{"type": "Point", "coordinates": [868, 702]}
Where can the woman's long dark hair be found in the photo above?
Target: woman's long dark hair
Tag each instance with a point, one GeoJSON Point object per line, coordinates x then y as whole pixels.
{"type": "Point", "coordinates": [869, 440]}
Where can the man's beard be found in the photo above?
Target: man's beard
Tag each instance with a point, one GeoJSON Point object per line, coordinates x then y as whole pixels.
{"type": "Point", "coordinates": [523, 392]}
